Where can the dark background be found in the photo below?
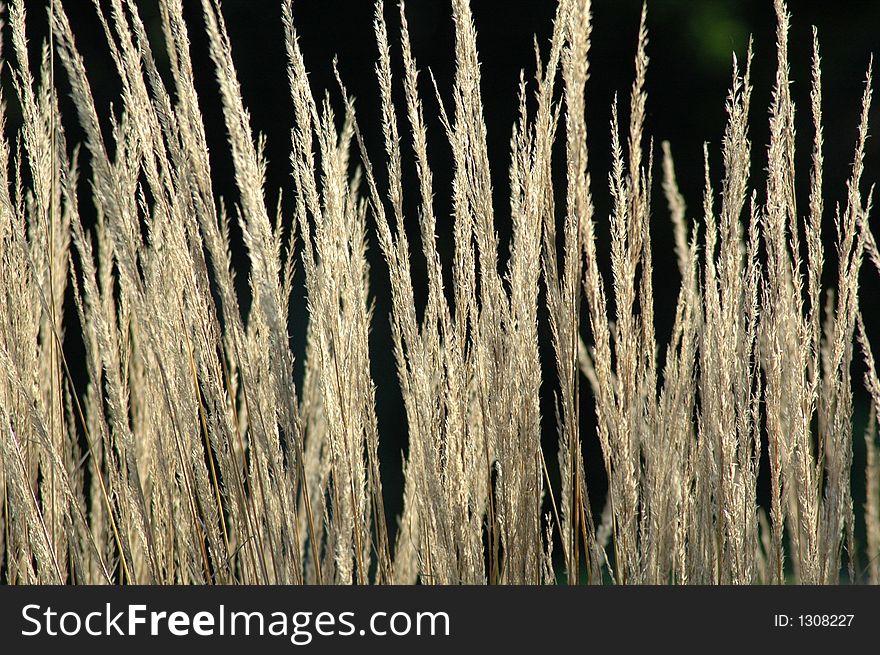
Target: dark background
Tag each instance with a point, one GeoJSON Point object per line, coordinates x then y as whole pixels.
{"type": "Point", "coordinates": [691, 47]}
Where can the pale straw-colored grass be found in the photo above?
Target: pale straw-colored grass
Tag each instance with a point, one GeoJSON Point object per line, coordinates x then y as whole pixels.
{"type": "Point", "coordinates": [190, 457]}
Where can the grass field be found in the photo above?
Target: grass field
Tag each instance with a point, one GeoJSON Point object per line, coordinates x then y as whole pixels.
{"type": "Point", "coordinates": [160, 426]}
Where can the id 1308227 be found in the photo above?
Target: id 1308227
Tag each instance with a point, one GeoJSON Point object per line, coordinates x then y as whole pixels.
{"type": "Point", "coordinates": [813, 620]}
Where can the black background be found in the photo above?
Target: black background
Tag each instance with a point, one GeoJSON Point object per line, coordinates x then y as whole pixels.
{"type": "Point", "coordinates": [494, 619]}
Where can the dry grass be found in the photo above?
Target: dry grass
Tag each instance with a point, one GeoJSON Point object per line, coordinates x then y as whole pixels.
{"type": "Point", "coordinates": [190, 457]}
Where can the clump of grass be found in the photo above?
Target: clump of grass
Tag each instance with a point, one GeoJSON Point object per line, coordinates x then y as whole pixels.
{"type": "Point", "coordinates": [190, 456]}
